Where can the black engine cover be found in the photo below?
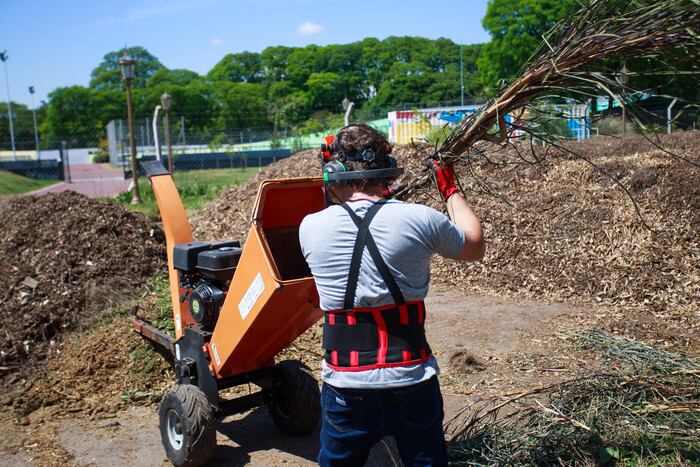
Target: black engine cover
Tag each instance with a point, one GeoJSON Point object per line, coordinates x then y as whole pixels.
{"type": "Point", "coordinates": [219, 264]}
{"type": "Point", "coordinates": [205, 302]}
{"type": "Point", "coordinates": [185, 254]}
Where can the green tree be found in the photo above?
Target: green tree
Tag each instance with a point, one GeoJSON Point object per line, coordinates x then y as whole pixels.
{"type": "Point", "coordinates": [244, 67]}
{"type": "Point", "coordinates": [326, 90]}
{"type": "Point", "coordinates": [516, 28]}
{"type": "Point", "coordinates": [72, 116]}
{"type": "Point", "coordinates": [107, 75]}
{"type": "Point", "coordinates": [294, 109]}
{"type": "Point", "coordinates": [178, 76]}
{"type": "Point", "coordinates": [22, 123]}
{"type": "Point", "coordinates": [241, 105]}
{"type": "Point", "coordinates": [274, 61]}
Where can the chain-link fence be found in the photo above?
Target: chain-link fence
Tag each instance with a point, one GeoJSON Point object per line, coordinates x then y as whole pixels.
{"type": "Point", "coordinates": [197, 149]}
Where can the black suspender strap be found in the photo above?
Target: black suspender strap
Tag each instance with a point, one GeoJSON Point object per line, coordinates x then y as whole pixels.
{"type": "Point", "coordinates": [364, 238]}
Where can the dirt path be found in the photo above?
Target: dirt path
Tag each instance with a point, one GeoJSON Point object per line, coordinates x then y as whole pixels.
{"type": "Point", "coordinates": [493, 332]}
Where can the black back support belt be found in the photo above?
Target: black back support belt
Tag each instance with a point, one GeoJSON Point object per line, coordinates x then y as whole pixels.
{"type": "Point", "coordinates": [392, 335]}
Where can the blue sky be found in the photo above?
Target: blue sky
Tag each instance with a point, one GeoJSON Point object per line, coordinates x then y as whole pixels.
{"type": "Point", "coordinates": [58, 43]}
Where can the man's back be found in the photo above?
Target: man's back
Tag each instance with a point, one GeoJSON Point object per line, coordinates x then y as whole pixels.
{"type": "Point", "coordinates": [406, 236]}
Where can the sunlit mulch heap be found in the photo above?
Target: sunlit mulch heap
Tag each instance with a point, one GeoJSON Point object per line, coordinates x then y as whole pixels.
{"type": "Point", "coordinates": [561, 230]}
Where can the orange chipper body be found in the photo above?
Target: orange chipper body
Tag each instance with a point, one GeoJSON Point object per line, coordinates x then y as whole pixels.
{"type": "Point", "coordinates": [270, 300]}
{"type": "Point", "coordinates": [234, 310]}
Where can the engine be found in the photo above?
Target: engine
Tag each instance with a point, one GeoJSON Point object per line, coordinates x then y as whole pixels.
{"type": "Point", "coordinates": [205, 271]}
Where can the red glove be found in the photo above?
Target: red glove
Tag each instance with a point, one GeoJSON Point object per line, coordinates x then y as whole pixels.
{"type": "Point", "coordinates": [445, 177]}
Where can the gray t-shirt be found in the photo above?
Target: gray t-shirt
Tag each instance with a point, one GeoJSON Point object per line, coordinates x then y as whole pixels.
{"type": "Point", "coordinates": [407, 235]}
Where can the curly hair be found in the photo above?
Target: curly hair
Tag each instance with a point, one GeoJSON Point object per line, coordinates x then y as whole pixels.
{"type": "Point", "coordinates": [353, 139]}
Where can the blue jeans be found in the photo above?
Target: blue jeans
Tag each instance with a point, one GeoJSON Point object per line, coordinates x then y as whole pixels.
{"type": "Point", "coordinates": [354, 420]}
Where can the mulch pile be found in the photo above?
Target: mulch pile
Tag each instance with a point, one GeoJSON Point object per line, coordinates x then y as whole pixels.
{"type": "Point", "coordinates": [66, 260]}
{"type": "Point", "coordinates": [560, 230]}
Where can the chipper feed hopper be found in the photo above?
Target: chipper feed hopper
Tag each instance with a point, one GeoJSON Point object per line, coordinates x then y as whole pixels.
{"type": "Point", "coordinates": [235, 308]}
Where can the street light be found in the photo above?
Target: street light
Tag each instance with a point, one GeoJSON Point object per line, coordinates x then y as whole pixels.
{"type": "Point", "coordinates": [4, 57]}
{"type": "Point", "coordinates": [166, 102]}
{"type": "Point", "coordinates": [127, 65]}
{"type": "Point", "coordinates": [623, 79]}
{"type": "Point", "coordinates": [36, 133]}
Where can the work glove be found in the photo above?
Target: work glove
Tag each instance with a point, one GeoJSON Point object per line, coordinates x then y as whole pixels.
{"type": "Point", "coordinates": [445, 178]}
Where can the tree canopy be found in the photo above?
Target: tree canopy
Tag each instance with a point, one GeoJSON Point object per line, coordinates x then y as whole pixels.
{"type": "Point", "coordinates": [107, 74]}
{"type": "Point", "coordinates": [288, 87]}
{"type": "Point", "coordinates": [516, 28]}
{"type": "Point", "coordinates": [281, 87]}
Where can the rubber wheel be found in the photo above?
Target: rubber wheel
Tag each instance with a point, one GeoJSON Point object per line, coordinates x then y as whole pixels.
{"type": "Point", "coordinates": [296, 401]}
{"type": "Point", "coordinates": [187, 426]}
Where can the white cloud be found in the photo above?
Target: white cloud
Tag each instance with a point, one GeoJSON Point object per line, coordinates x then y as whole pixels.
{"type": "Point", "coordinates": [216, 41]}
{"type": "Point", "coordinates": [309, 29]}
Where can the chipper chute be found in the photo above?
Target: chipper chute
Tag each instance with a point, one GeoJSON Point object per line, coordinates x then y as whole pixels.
{"type": "Point", "coordinates": [235, 308]}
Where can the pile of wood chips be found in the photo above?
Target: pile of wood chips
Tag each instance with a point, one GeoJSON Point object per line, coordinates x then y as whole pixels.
{"type": "Point", "coordinates": [560, 230]}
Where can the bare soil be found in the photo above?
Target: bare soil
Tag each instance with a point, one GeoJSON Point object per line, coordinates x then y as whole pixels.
{"type": "Point", "coordinates": [505, 341]}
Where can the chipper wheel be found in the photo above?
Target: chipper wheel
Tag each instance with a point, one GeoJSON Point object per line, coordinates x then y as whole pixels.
{"type": "Point", "coordinates": [187, 426]}
{"type": "Point", "coordinates": [296, 400]}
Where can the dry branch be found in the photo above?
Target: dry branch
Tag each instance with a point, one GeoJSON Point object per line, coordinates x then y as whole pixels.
{"type": "Point", "coordinates": [575, 59]}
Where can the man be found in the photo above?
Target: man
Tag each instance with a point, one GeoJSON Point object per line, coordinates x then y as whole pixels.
{"type": "Point", "coordinates": [370, 259]}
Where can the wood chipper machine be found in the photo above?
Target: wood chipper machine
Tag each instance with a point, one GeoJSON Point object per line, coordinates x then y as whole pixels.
{"type": "Point", "coordinates": [235, 308]}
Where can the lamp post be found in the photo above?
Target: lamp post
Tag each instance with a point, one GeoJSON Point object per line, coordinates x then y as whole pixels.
{"type": "Point", "coordinates": [166, 102]}
{"type": "Point", "coordinates": [127, 65]}
{"type": "Point", "coordinates": [4, 57]}
{"type": "Point", "coordinates": [36, 132]}
{"type": "Point", "coordinates": [623, 79]}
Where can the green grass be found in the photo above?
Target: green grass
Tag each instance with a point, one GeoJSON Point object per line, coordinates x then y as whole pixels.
{"type": "Point", "coordinates": [196, 187]}
{"type": "Point", "coordinates": [13, 184]}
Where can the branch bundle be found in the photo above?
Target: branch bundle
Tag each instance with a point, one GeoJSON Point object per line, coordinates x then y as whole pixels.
{"type": "Point", "coordinates": [575, 60]}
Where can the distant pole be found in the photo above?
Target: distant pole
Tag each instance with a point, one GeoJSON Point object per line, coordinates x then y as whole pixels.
{"type": "Point", "coordinates": [36, 132]}
{"type": "Point", "coordinates": [166, 102]}
{"type": "Point", "coordinates": [66, 162]}
{"type": "Point", "coordinates": [4, 57]}
{"type": "Point", "coordinates": [127, 65]}
{"type": "Point", "coordinates": [348, 105]}
{"type": "Point", "coordinates": [461, 71]}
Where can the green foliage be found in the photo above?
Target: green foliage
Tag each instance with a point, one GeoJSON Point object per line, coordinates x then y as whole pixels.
{"type": "Point", "coordinates": [23, 125]}
{"type": "Point", "coordinates": [13, 184]}
{"type": "Point", "coordinates": [178, 76]}
{"type": "Point", "coordinates": [244, 67]}
{"type": "Point", "coordinates": [195, 187]}
{"type": "Point", "coordinates": [516, 28]}
{"type": "Point", "coordinates": [100, 157]}
{"type": "Point", "coordinates": [438, 135]}
{"type": "Point", "coordinates": [163, 319]}
{"type": "Point", "coordinates": [75, 113]}
{"type": "Point", "coordinates": [281, 87]}
{"type": "Point", "coordinates": [325, 90]}
{"type": "Point", "coordinates": [242, 105]}
{"type": "Point", "coordinates": [107, 75]}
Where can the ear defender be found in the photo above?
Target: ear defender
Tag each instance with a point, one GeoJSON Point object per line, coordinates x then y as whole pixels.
{"type": "Point", "coordinates": [333, 167]}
